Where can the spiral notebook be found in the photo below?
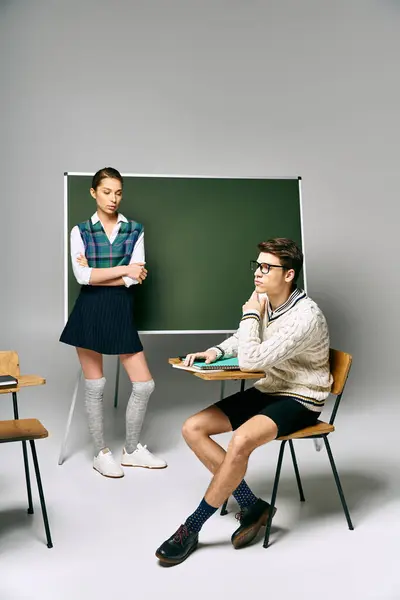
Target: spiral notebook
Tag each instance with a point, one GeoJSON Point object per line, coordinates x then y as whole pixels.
{"type": "Point", "coordinates": [224, 364]}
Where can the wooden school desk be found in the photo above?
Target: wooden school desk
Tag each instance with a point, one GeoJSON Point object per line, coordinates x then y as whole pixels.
{"type": "Point", "coordinates": [222, 375]}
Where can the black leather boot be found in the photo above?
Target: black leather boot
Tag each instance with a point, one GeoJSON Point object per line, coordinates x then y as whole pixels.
{"type": "Point", "coordinates": [251, 518]}
{"type": "Point", "coordinates": [178, 547]}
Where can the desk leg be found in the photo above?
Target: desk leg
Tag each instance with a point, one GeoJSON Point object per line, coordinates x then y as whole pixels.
{"type": "Point", "coordinates": [223, 508]}
{"type": "Point", "coordinates": [222, 390]}
{"type": "Point", "coordinates": [25, 455]}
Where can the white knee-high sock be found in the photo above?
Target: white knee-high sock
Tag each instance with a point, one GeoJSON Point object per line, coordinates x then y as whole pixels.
{"type": "Point", "coordinates": [94, 389]}
{"type": "Point", "coordinates": [136, 411]}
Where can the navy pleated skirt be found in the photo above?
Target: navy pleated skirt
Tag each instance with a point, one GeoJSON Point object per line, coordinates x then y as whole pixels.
{"type": "Point", "coordinates": [103, 320]}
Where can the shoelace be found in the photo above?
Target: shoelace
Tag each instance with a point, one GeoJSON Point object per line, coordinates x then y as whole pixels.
{"type": "Point", "coordinates": [181, 534]}
{"type": "Point", "coordinates": [144, 448]}
{"type": "Point", "coordinates": [239, 515]}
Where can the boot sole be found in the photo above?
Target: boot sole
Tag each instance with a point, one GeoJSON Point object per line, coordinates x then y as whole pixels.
{"type": "Point", "coordinates": [246, 536]}
{"type": "Point", "coordinates": [176, 561]}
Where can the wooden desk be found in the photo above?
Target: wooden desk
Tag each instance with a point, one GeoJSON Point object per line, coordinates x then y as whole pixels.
{"type": "Point", "coordinates": [9, 365]}
{"type": "Point", "coordinates": [24, 381]}
{"type": "Point", "coordinates": [222, 375]}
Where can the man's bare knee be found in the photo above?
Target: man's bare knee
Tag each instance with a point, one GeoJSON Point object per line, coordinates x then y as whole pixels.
{"type": "Point", "coordinates": [241, 446]}
{"type": "Point", "coordinates": [259, 430]}
{"type": "Point", "coordinates": [192, 428]}
{"type": "Point", "coordinates": [210, 421]}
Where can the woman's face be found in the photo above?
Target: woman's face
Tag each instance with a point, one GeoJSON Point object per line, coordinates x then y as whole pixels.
{"type": "Point", "coordinates": [108, 195]}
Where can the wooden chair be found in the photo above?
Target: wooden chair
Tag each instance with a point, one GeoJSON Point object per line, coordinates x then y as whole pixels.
{"type": "Point", "coordinates": [340, 364]}
{"type": "Point", "coordinates": [9, 365]}
{"type": "Point", "coordinates": [23, 430]}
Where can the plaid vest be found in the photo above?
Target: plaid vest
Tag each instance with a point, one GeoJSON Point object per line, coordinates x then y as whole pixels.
{"type": "Point", "coordinates": [98, 250]}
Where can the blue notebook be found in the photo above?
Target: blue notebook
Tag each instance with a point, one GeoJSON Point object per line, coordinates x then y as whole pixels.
{"type": "Point", "coordinates": [223, 364]}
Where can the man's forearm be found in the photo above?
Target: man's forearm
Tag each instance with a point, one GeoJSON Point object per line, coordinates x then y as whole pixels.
{"type": "Point", "coordinates": [229, 347]}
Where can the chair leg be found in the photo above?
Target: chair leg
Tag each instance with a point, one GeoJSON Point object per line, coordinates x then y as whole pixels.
{"type": "Point", "coordinates": [338, 484]}
{"type": "Point", "coordinates": [117, 384]}
{"type": "Point", "coordinates": [28, 479]}
{"type": "Point", "coordinates": [274, 493]}
{"type": "Point", "coordinates": [15, 405]}
{"type": "Point", "coordinates": [70, 415]}
{"type": "Point", "coordinates": [223, 508]}
{"type": "Point", "coordinates": [296, 470]}
{"type": "Point", "coordinates": [41, 495]}
{"type": "Point", "coordinates": [25, 455]}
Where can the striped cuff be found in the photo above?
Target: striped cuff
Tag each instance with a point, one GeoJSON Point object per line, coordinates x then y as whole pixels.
{"type": "Point", "coordinates": [253, 314]}
{"type": "Point", "coordinates": [220, 352]}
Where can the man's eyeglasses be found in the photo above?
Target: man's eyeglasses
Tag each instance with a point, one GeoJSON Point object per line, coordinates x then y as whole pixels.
{"type": "Point", "coordinates": [264, 267]}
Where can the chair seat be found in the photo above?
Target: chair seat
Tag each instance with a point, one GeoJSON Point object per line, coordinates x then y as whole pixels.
{"type": "Point", "coordinates": [21, 429]}
{"type": "Point", "coordinates": [318, 429]}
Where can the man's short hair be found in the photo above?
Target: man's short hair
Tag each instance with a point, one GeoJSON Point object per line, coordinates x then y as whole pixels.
{"type": "Point", "coordinates": [288, 252]}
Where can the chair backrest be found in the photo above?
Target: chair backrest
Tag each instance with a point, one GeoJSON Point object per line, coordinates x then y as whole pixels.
{"type": "Point", "coordinates": [340, 364]}
{"type": "Point", "coordinates": [9, 363]}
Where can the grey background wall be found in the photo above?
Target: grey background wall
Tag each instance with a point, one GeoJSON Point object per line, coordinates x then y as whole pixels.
{"type": "Point", "coordinates": [217, 88]}
{"type": "Point", "coordinates": [208, 87]}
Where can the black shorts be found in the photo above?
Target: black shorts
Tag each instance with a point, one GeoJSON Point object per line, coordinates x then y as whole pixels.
{"type": "Point", "coordinates": [286, 412]}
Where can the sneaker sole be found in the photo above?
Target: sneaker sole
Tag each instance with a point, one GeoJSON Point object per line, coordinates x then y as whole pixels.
{"type": "Point", "coordinates": [246, 536]}
{"type": "Point", "coordinates": [142, 466]}
{"type": "Point", "coordinates": [109, 476]}
{"type": "Point", "coordinates": [177, 561]}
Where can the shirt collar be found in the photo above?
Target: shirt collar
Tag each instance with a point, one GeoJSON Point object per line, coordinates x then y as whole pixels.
{"type": "Point", "coordinates": [297, 295]}
{"type": "Point", "coordinates": [96, 218]}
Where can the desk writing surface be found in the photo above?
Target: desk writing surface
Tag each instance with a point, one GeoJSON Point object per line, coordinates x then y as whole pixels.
{"type": "Point", "coordinates": [220, 375]}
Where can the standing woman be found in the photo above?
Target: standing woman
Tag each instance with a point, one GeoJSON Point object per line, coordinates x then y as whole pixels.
{"type": "Point", "coordinates": [107, 253]}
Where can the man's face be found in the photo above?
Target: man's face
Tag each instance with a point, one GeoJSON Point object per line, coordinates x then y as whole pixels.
{"type": "Point", "coordinates": [271, 278]}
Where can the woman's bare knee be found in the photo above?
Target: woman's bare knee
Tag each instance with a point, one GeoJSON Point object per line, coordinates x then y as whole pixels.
{"type": "Point", "coordinates": [136, 366]}
{"type": "Point", "coordinates": [91, 363]}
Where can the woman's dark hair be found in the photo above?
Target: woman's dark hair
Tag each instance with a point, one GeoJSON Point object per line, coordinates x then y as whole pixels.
{"type": "Point", "coordinates": [103, 174]}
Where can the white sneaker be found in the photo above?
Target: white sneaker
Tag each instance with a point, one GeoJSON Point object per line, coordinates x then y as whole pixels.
{"type": "Point", "coordinates": [105, 464]}
{"type": "Point", "coordinates": [141, 457]}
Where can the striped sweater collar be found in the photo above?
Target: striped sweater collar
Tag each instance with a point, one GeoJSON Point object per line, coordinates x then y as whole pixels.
{"type": "Point", "coordinates": [295, 297]}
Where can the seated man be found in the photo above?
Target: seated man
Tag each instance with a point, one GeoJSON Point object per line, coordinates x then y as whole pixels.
{"type": "Point", "coordinates": [284, 334]}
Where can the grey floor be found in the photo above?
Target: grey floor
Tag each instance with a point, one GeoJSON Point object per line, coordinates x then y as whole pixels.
{"type": "Point", "coordinates": [105, 531]}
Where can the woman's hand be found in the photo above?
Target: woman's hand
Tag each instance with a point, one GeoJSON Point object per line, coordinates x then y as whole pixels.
{"type": "Point", "coordinates": [82, 260]}
{"type": "Point", "coordinates": [136, 271]}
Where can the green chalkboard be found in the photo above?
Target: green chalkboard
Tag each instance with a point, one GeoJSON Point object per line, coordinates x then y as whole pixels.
{"type": "Point", "coordinates": [200, 234]}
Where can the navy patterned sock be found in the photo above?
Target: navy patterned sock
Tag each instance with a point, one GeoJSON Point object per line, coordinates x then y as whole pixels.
{"type": "Point", "coordinates": [196, 520]}
{"type": "Point", "coordinates": [243, 495]}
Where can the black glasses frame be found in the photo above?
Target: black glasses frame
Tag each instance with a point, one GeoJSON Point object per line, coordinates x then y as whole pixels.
{"type": "Point", "coordinates": [254, 265]}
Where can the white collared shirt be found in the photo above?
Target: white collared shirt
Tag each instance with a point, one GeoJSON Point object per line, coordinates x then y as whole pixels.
{"type": "Point", "coordinates": [82, 274]}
